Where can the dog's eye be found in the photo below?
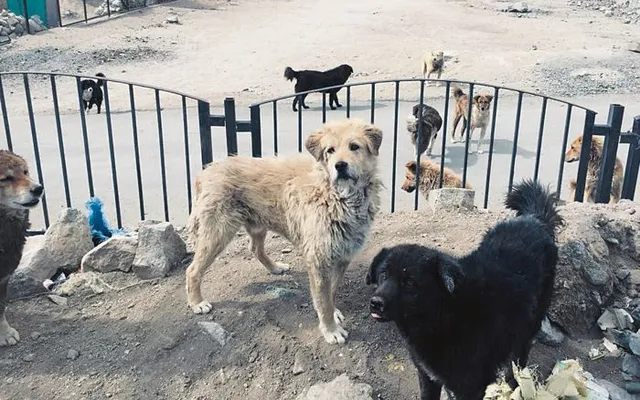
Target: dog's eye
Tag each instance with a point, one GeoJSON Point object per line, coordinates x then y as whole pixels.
{"type": "Point", "coordinates": [6, 179]}
{"type": "Point", "coordinates": [331, 150]}
{"type": "Point", "coordinates": [353, 147]}
{"type": "Point", "coordinates": [26, 173]}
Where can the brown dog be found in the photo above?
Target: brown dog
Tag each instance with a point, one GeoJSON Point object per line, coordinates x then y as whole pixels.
{"type": "Point", "coordinates": [18, 194]}
{"type": "Point", "coordinates": [323, 204]}
{"type": "Point", "coordinates": [593, 170]}
{"type": "Point", "coordinates": [480, 113]}
{"type": "Point", "coordinates": [429, 177]}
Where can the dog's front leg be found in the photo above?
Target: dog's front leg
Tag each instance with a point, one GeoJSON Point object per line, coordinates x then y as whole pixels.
{"type": "Point", "coordinates": [429, 390]}
{"type": "Point", "coordinates": [321, 285]}
{"type": "Point", "coordinates": [8, 335]}
{"type": "Point", "coordinates": [483, 131]}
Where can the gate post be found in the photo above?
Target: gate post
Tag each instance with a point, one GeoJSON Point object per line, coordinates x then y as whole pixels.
{"type": "Point", "coordinates": [230, 126]}
{"type": "Point", "coordinates": [583, 163]}
{"type": "Point", "coordinates": [633, 162]}
{"type": "Point", "coordinates": [614, 123]}
{"type": "Point", "coordinates": [256, 132]}
{"type": "Point", "coordinates": [206, 144]}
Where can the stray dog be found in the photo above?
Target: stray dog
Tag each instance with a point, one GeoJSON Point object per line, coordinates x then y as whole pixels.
{"type": "Point", "coordinates": [593, 170]}
{"type": "Point", "coordinates": [91, 92]}
{"type": "Point", "coordinates": [480, 113]}
{"type": "Point", "coordinates": [429, 177]}
{"type": "Point", "coordinates": [432, 63]}
{"type": "Point", "coordinates": [323, 204]}
{"type": "Point", "coordinates": [311, 80]}
{"type": "Point", "coordinates": [431, 124]}
{"type": "Point", "coordinates": [18, 194]}
{"type": "Point", "coordinates": [465, 318]}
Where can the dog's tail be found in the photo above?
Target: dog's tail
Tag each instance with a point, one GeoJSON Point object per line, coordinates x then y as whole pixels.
{"type": "Point", "coordinates": [100, 81]}
{"type": "Point", "coordinates": [457, 92]}
{"type": "Point", "coordinates": [531, 198]}
{"type": "Point", "coordinates": [290, 74]}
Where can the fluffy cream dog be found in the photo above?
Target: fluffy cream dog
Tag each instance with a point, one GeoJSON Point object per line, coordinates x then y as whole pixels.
{"type": "Point", "coordinates": [323, 204]}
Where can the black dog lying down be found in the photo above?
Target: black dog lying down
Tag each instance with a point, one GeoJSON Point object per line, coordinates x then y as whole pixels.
{"type": "Point", "coordinates": [91, 92]}
{"type": "Point", "coordinates": [465, 318]}
{"type": "Point", "coordinates": [310, 80]}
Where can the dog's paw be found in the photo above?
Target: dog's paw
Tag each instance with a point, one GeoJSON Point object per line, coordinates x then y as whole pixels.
{"type": "Point", "coordinates": [338, 316]}
{"type": "Point", "coordinates": [8, 335]}
{"type": "Point", "coordinates": [480, 151]}
{"type": "Point", "coordinates": [204, 307]}
{"type": "Point", "coordinates": [280, 268]}
{"type": "Point", "coordinates": [336, 334]}
{"type": "Point", "coordinates": [339, 105]}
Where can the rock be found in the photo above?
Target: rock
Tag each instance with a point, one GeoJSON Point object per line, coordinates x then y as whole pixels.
{"type": "Point", "coordinates": [18, 29]}
{"type": "Point", "coordinates": [216, 331]}
{"type": "Point", "coordinates": [635, 314]}
{"type": "Point", "coordinates": [286, 250]}
{"type": "Point", "coordinates": [632, 387]}
{"type": "Point", "coordinates": [115, 254]}
{"type": "Point", "coordinates": [22, 285]}
{"type": "Point", "coordinates": [623, 318]}
{"type": "Point", "coordinates": [173, 19]}
{"type": "Point", "coordinates": [549, 334]}
{"type": "Point", "coordinates": [521, 7]}
{"type": "Point", "coordinates": [35, 335]}
{"type": "Point", "coordinates": [631, 365]}
{"type": "Point", "coordinates": [607, 320]}
{"type": "Point", "coordinates": [341, 388]}
{"type": "Point", "coordinates": [160, 249]}
{"type": "Point", "coordinates": [300, 363]}
{"type": "Point", "coordinates": [4, 31]}
{"type": "Point", "coordinates": [634, 343]}
{"type": "Point", "coordinates": [80, 283]}
{"type": "Point", "coordinates": [29, 357]}
{"type": "Point", "coordinates": [451, 199]}
{"type": "Point", "coordinates": [59, 300]}
{"type": "Point", "coordinates": [37, 261]}
{"type": "Point", "coordinates": [620, 338]}
{"type": "Point", "coordinates": [34, 27]}
{"type": "Point", "coordinates": [635, 47]}
{"type": "Point", "coordinates": [5, 40]}
{"type": "Point", "coordinates": [281, 293]}
{"type": "Point", "coordinates": [68, 240]}
{"type": "Point", "coordinates": [13, 21]}
{"type": "Point", "coordinates": [72, 354]}
{"type": "Point", "coordinates": [596, 391]}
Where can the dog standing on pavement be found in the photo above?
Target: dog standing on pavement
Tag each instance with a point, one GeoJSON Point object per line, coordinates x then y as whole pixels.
{"type": "Point", "coordinates": [18, 194]}
{"type": "Point", "coordinates": [432, 63]}
{"type": "Point", "coordinates": [311, 80]}
{"type": "Point", "coordinates": [92, 92]}
{"type": "Point", "coordinates": [431, 123]}
{"type": "Point", "coordinates": [480, 113]}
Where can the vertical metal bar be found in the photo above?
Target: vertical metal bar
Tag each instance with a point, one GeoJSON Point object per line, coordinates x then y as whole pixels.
{"type": "Point", "coordinates": [299, 128]}
{"type": "Point", "coordinates": [36, 148]}
{"type": "Point", "coordinates": [447, 93]}
{"type": "Point", "coordinates": [187, 158]}
{"type": "Point", "coordinates": [373, 103]}
{"type": "Point", "coordinates": [324, 107]}
{"type": "Point", "coordinates": [59, 14]}
{"type": "Point", "coordinates": [467, 135]}
{"type": "Point", "coordinates": [163, 168]}
{"type": "Point", "coordinates": [633, 163]}
{"type": "Point", "coordinates": [614, 121]}
{"type": "Point", "coordinates": [26, 15]}
{"type": "Point", "coordinates": [136, 151]}
{"type": "Point", "coordinates": [565, 137]}
{"type": "Point", "coordinates": [230, 126]}
{"type": "Point", "coordinates": [5, 116]}
{"type": "Point", "coordinates": [85, 139]}
{"type": "Point", "coordinates": [256, 132]}
{"type": "Point", "coordinates": [112, 153]}
{"type": "Point", "coordinates": [206, 143]}
{"type": "Point", "coordinates": [543, 114]}
{"type": "Point", "coordinates": [587, 133]}
{"type": "Point", "coordinates": [348, 101]}
{"type": "Point", "coordinates": [63, 159]}
{"type": "Point", "coordinates": [275, 128]}
{"type": "Point", "coordinates": [396, 105]}
{"type": "Point", "coordinates": [108, 9]}
{"type": "Point", "coordinates": [516, 134]}
{"type": "Point", "coordinates": [496, 92]}
{"type": "Point", "coordinates": [419, 133]}
{"type": "Point", "coordinates": [84, 4]}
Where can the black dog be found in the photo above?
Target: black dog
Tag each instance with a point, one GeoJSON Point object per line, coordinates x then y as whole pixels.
{"type": "Point", "coordinates": [465, 318]}
{"type": "Point", "coordinates": [431, 124]}
{"type": "Point", "coordinates": [310, 80]}
{"type": "Point", "coordinates": [91, 92]}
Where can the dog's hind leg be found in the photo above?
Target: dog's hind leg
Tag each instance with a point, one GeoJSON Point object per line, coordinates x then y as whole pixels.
{"type": "Point", "coordinates": [212, 238]}
{"type": "Point", "coordinates": [8, 335]}
{"type": "Point", "coordinates": [320, 280]}
{"type": "Point", "coordinates": [335, 99]}
{"type": "Point", "coordinates": [302, 99]}
{"type": "Point", "coordinates": [456, 119]}
{"type": "Point", "coordinates": [295, 102]}
{"type": "Point", "coordinates": [257, 247]}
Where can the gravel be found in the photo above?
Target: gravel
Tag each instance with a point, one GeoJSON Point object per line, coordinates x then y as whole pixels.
{"type": "Point", "coordinates": [626, 10]}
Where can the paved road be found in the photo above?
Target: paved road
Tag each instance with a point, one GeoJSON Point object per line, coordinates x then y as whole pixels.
{"type": "Point", "coordinates": [174, 143]}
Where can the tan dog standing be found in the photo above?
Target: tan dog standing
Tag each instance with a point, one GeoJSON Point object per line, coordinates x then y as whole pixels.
{"type": "Point", "coordinates": [432, 63]}
{"type": "Point", "coordinates": [480, 113]}
{"type": "Point", "coordinates": [323, 204]}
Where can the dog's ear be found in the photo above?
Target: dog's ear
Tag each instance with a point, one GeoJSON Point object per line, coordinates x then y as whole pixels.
{"type": "Point", "coordinates": [489, 97]}
{"type": "Point", "coordinates": [411, 166]}
{"type": "Point", "coordinates": [372, 275]}
{"type": "Point", "coordinates": [374, 138]}
{"type": "Point", "coordinates": [476, 98]}
{"type": "Point", "coordinates": [450, 272]}
{"type": "Point", "coordinates": [415, 110]}
{"type": "Point", "coordinates": [313, 146]}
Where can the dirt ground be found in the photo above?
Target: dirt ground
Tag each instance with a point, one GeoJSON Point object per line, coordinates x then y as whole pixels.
{"type": "Point", "coordinates": [142, 342]}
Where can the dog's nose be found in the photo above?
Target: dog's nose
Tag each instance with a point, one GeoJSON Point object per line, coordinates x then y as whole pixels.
{"type": "Point", "coordinates": [377, 304]}
{"type": "Point", "coordinates": [341, 166]}
{"type": "Point", "coordinates": [37, 190]}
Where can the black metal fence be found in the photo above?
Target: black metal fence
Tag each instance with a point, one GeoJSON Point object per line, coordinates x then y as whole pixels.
{"type": "Point", "coordinates": [137, 156]}
{"type": "Point", "coordinates": [73, 12]}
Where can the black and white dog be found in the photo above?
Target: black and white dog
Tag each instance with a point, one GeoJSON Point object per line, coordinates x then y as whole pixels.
{"type": "Point", "coordinates": [92, 92]}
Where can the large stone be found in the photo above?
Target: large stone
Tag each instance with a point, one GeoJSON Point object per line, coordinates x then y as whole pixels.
{"type": "Point", "coordinates": [36, 265]}
{"type": "Point", "coordinates": [451, 199]}
{"type": "Point", "coordinates": [34, 27]}
{"type": "Point", "coordinates": [341, 388]}
{"type": "Point", "coordinates": [22, 285]}
{"type": "Point", "coordinates": [160, 249]}
{"type": "Point", "coordinates": [615, 392]}
{"type": "Point", "coordinates": [115, 254]}
{"type": "Point", "coordinates": [549, 334]}
{"type": "Point", "coordinates": [69, 239]}
{"type": "Point", "coordinates": [631, 365]}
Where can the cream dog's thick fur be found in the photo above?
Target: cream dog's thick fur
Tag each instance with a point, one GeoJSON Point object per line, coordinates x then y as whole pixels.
{"type": "Point", "coordinates": [432, 62]}
{"type": "Point", "coordinates": [324, 205]}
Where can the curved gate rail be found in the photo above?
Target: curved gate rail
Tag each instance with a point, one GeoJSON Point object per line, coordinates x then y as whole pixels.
{"type": "Point", "coordinates": [504, 134]}
{"type": "Point", "coordinates": [132, 154]}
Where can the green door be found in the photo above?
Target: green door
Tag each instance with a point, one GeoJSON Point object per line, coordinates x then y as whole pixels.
{"type": "Point", "coordinates": [34, 7]}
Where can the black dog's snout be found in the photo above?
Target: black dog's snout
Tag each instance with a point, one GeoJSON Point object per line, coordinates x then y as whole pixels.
{"type": "Point", "coordinates": [37, 190]}
{"type": "Point", "coordinates": [377, 304]}
{"type": "Point", "coordinates": [341, 166]}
